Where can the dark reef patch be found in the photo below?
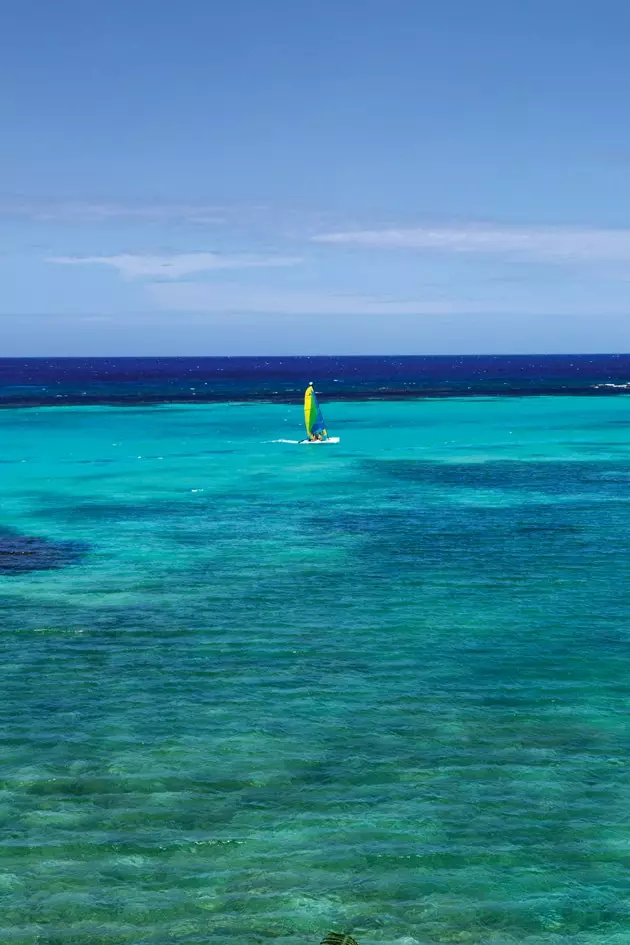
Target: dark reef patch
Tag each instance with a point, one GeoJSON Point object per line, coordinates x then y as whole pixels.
{"type": "Point", "coordinates": [20, 554]}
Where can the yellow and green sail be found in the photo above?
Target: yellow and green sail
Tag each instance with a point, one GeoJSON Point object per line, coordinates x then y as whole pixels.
{"type": "Point", "coordinates": [312, 414]}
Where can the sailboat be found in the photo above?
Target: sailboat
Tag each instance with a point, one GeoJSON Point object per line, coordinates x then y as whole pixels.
{"type": "Point", "coordinates": [314, 419]}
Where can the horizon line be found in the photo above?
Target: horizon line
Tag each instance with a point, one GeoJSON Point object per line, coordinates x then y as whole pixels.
{"type": "Point", "coordinates": [307, 357]}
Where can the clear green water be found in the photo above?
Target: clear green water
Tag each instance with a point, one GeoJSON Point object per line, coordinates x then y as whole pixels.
{"type": "Point", "coordinates": [381, 687]}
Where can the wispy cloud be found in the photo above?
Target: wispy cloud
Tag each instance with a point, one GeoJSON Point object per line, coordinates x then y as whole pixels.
{"type": "Point", "coordinates": [548, 243]}
{"type": "Point", "coordinates": [137, 266]}
{"type": "Point", "coordinates": [236, 299]}
{"type": "Point", "coordinates": [101, 212]}
{"type": "Point", "coordinates": [276, 218]}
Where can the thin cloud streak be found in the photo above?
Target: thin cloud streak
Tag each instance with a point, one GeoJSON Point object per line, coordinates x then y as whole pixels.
{"type": "Point", "coordinates": [137, 266]}
{"type": "Point", "coordinates": [94, 211]}
{"type": "Point", "coordinates": [233, 299]}
{"type": "Point", "coordinates": [264, 218]}
{"type": "Point", "coordinates": [546, 243]}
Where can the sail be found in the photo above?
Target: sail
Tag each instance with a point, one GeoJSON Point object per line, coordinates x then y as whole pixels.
{"type": "Point", "coordinates": [312, 414]}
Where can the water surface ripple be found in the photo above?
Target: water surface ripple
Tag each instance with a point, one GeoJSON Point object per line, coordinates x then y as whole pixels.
{"type": "Point", "coordinates": [380, 687]}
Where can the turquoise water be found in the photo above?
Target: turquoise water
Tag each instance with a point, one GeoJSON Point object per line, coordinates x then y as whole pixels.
{"type": "Point", "coordinates": [380, 687]}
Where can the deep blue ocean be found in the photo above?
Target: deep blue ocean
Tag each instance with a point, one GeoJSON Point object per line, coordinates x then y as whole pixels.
{"type": "Point", "coordinates": [252, 691]}
{"type": "Point", "coordinates": [189, 380]}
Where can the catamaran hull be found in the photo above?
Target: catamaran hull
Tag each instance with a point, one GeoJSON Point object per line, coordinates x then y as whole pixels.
{"type": "Point", "coordinates": [331, 439]}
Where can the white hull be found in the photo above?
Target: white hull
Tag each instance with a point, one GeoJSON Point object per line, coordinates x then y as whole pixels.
{"type": "Point", "coordinates": [331, 439]}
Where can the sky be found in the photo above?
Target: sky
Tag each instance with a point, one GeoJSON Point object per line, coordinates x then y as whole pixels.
{"type": "Point", "coordinates": [340, 177]}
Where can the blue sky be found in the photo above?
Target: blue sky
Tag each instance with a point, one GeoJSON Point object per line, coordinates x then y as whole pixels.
{"type": "Point", "coordinates": [358, 176]}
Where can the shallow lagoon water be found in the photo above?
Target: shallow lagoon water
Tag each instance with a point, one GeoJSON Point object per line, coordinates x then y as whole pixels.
{"type": "Point", "coordinates": [380, 686]}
